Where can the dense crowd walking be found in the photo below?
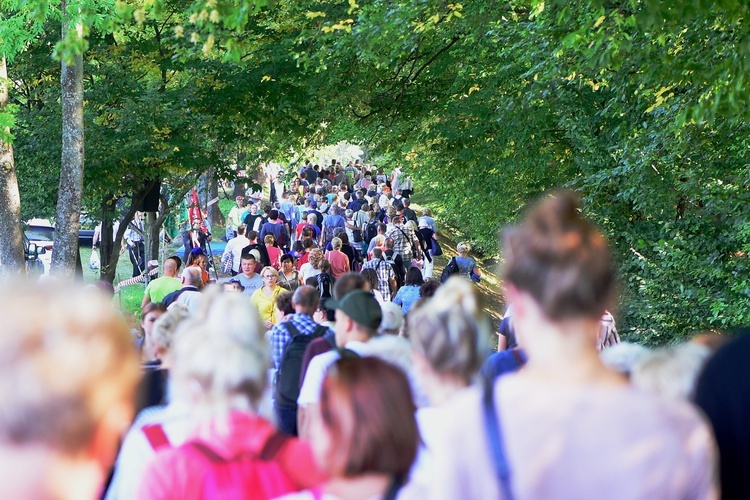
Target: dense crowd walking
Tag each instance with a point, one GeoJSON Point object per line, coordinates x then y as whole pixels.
{"type": "Point", "coordinates": [332, 362]}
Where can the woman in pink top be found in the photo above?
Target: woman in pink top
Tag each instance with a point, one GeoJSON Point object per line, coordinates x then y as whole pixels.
{"type": "Point", "coordinates": [220, 369]}
{"type": "Point", "coordinates": [338, 259]}
{"type": "Point", "coordinates": [274, 253]}
{"type": "Point", "coordinates": [564, 425]}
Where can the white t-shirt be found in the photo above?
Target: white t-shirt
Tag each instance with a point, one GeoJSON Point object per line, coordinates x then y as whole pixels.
{"type": "Point", "coordinates": [191, 299]}
{"type": "Point", "coordinates": [235, 246]}
{"type": "Point", "coordinates": [316, 372]}
{"type": "Point", "coordinates": [136, 451]}
{"type": "Point", "coordinates": [306, 270]}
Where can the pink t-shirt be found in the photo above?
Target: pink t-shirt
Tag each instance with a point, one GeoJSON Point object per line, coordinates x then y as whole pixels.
{"type": "Point", "coordinates": [339, 262]}
{"type": "Point", "coordinates": [581, 442]}
{"type": "Point", "coordinates": [274, 255]}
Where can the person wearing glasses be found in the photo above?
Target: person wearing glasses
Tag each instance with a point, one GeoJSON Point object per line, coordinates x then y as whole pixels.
{"type": "Point", "coordinates": [264, 298]}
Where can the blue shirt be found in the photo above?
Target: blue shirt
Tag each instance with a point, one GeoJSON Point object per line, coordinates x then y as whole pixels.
{"type": "Point", "coordinates": [406, 297]}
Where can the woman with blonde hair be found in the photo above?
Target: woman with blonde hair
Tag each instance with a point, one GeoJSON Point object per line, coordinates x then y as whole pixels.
{"type": "Point", "coordinates": [310, 268]}
{"type": "Point", "coordinates": [467, 267]}
{"type": "Point", "coordinates": [564, 425]}
{"type": "Point", "coordinates": [264, 298]}
{"type": "Point", "coordinates": [449, 335]}
{"type": "Point", "coordinates": [220, 371]}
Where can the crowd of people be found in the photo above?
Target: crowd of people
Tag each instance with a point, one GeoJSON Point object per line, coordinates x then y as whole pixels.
{"type": "Point", "coordinates": [333, 364]}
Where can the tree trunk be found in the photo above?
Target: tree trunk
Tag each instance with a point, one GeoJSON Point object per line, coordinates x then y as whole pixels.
{"type": "Point", "coordinates": [215, 217]}
{"type": "Point", "coordinates": [11, 242]}
{"type": "Point", "coordinates": [68, 217]}
{"type": "Point", "coordinates": [109, 255]}
{"type": "Point", "coordinates": [153, 228]}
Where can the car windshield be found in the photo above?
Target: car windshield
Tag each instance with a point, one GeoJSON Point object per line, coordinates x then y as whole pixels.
{"type": "Point", "coordinates": [40, 233]}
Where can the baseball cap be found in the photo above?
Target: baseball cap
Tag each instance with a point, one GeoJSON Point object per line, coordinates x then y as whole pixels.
{"type": "Point", "coordinates": [313, 204]}
{"type": "Point", "coordinates": [360, 306]}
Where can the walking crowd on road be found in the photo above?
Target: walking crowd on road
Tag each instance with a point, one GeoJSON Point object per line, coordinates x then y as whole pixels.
{"type": "Point", "coordinates": [333, 362]}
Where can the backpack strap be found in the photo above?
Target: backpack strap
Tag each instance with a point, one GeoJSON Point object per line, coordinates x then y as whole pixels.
{"type": "Point", "coordinates": [156, 436]}
{"type": "Point", "coordinates": [273, 446]}
{"type": "Point", "coordinates": [293, 330]}
{"type": "Point", "coordinates": [345, 353]}
{"type": "Point", "coordinates": [396, 483]}
{"type": "Point", "coordinates": [331, 338]}
{"type": "Point", "coordinates": [495, 439]}
{"type": "Point", "coordinates": [319, 331]}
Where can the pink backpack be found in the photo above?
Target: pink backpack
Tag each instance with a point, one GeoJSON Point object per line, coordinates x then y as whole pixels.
{"type": "Point", "coordinates": [247, 475]}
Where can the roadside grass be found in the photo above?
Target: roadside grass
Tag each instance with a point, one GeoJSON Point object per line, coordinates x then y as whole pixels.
{"type": "Point", "coordinates": [128, 298]}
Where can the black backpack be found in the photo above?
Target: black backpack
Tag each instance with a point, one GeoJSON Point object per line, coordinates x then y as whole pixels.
{"type": "Point", "coordinates": [371, 230]}
{"type": "Point", "coordinates": [450, 270]}
{"type": "Point", "coordinates": [356, 233]}
{"type": "Point", "coordinates": [290, 365]}
{"type": "Point", "coordinates": [325, 286]}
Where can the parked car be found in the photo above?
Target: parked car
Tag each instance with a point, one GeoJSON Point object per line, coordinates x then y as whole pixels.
{"type": "Point", "coordinates": [86, 237]}
{"type": "Point", "coordinates": [31, 252]}
{"type": "Point", "coordinates": [41, 233]}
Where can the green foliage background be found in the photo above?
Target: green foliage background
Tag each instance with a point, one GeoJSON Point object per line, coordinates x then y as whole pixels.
{"type": "Point", "coordinates": [640, 106]}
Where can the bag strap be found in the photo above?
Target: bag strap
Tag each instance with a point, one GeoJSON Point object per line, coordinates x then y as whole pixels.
{"type": "Point", "coordinates": [156, 436]}
{"type": "Point", "coordinates": [319, 331]}
{"type": "Point", "coordinates": [495, 439]}
{"type": "Point", "coordinates": [405, 235]}
{"type": "Point", "coordinates": [396, 483]}
{"type": "Point", "coordinates": [273, 446]}
{"type": "Point", "coordinates": [293, 330]}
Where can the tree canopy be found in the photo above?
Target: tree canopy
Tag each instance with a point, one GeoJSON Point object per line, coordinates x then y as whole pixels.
{"type": "Point", "coordinates": [641, 107]}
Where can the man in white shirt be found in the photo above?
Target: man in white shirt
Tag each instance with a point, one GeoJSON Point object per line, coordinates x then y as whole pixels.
{"type": "Point", "coordinates": [358, 317]}
{"type": "Point", "coordinates": [235, 247]}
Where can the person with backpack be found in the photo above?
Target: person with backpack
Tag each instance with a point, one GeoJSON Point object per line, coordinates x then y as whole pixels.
{"type": "Point", "coordinates": [396, 262]}
{"type": "Point", "coordinates": [386, 275]}
{"type": "Point", "coordinates": [358, 317]}
{"type": "Point", "coordinates": [287, 356]}
{"type": "Point", "coordinates": [277, 228]}
{"type": "Point", "coordinates": [331, 221]}
{"type": "Point", "coordinates": [325, 280]}
{"type": "Point", "coordinates": [405, 241]}
{"type": "Point", "coordinates": [467, 266]}
{"type": "Point", "coordinates": [232, 452]}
